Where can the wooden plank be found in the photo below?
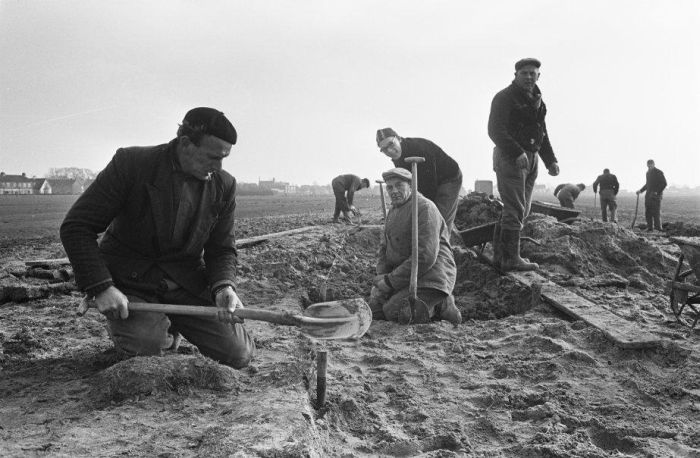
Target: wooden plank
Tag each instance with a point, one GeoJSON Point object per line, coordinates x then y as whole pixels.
{"type": "Point", "coordinates": [624, 333]}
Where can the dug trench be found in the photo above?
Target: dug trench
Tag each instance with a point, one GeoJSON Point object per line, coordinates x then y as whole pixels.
{"type": "Point", "coordinates": [516, 378]}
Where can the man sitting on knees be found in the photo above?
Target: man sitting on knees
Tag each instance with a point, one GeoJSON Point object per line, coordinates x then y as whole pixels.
{"type": "Point", "coordinates": [436, 266]}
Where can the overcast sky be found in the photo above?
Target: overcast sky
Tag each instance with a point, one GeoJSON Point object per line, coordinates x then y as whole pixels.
{"type": "Point", "coordinates": [308, 83]}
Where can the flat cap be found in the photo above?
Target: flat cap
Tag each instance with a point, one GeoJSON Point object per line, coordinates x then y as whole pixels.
{"type": "Point", "coordinates": [401, 174]}
{"type": "Point", "coordinates": [383, 134]}
{"type": "Point", "coordinates": [211, 122]}
{"type": "Point", "coordinates": [527, 61]}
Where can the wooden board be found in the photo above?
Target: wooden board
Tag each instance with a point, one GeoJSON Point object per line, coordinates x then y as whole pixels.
{"type": "Point", "coordinates": [624, 333]}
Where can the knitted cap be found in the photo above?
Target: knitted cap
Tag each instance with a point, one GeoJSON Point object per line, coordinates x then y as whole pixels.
{"type": "Point", "coordinates": [211, 122]}
{"type": "Point", "coordinates": [385, 133]}
{"type": "Point", "coordinates": [399, 173]}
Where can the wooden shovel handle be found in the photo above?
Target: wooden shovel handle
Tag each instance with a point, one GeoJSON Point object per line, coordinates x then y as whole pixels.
{"type": "Point", "coordinates": [413, 285]}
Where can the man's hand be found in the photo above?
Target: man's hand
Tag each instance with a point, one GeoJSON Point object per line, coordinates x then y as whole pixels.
{"type": "Point", "coordinates": [112, 303]}
{"type": "Point", "coordinates": [522, 162]}
{"type": "Point", "coordinates": [228, 301]}
{"type": "Point", "coordinates": [380, 283]}
{"type": "Point", "coordinates": [639, 192]}
{"type": "Point", "coordinates": [553, 169]}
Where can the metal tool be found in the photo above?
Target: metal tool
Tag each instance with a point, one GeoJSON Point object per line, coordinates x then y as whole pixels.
{"type": "Point", "coordinates": [636, 209]}
{"type": "Point", "coordinates": [381, 195]}
{"type": "Point", "coordinates": [419, 309]}
{"type": "Point", "coordinates": [342, 319]}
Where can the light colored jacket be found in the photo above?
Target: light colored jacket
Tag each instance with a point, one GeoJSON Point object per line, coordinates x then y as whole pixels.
{"type": "Point", "coordinates": [436, 265]}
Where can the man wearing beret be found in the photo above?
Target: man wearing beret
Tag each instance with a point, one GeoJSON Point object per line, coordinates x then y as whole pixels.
{"type": "Point", "coordinates": [166, 212]}
{"type": "Point", "coordinates": [437, 271]}
{"type": "Point", "coordinates": [517, 127]}
{"type": "Point", "coordinates": [439, 177]}
{"type": "Point", "coordinates": [344, 187]}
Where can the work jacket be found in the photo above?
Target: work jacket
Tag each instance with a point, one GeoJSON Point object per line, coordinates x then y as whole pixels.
{"type": "Point", "coordinates": [656, 182]}
{"type": "Point", "coordinates": [347, 183]}
{"type": "Point", "coordinates": [606, 181]}
{"type": "Point", "coordinates": [438, 168]}
{"type": "Point", "coordinates": [517, 125]}
{"type": "Point", "coordinates": [436, 265]}
{"type": "Point", "coordinates": [567, 191]}
{"type": "Point", "coordinates": [133, 202]}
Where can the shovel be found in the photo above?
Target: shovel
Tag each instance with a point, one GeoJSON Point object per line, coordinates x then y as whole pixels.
{"type": "Point", "coordinates": [419, 309]}
{"type": "Point", "coordinates": [381, 195]}
{"type": "Point", "coordinates": [343, 319]}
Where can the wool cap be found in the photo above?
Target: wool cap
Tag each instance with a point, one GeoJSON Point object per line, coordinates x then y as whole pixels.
{"type": "Point", "coordinates": [527, 61]}
{"type": "Point", "coordinates": [399, 173]}
{"type": "Point", "coordinates": [211, 122]}
{"type": "Point", "coordinates": [383, 134]}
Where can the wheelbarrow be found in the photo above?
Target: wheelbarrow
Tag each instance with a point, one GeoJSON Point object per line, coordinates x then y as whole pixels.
{"type": "Point", "coordinates": [685, 286]}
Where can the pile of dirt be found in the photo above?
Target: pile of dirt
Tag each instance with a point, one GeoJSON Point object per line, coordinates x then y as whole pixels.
{"type": "Point", "coordinates": [476, 209]}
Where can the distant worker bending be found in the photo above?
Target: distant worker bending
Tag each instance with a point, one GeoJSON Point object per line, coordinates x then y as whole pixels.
{"type": "Point", "coordinates": [344, 187]}
{"type": "Point", "coordinates": [439, 177]}
{"type": "Point", "coordinates": [654, 187]}
{"type": "Point", "coordinates": [609, 187]}
{"type": "Point", "coordinates": [567, 193]}
{"type": "Point", "coordinates": [437, 271]}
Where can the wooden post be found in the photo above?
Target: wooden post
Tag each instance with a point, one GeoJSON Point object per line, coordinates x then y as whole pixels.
{"type": "Point", "coordinates": [321, 368]}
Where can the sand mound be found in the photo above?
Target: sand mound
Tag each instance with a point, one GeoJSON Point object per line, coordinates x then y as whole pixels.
{"type": "Point", "coordinates": [147, 375]}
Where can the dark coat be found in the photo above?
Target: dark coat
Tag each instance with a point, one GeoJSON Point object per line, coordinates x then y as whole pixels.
{"type": "Point", "coordinates": [132, 199]}
{"type": "Point", "coordinates": [517, 125]}
{"type": "Point", "coordinates": [606, 181]}
{"type": "Point", "coordinates": [438, 168]}
{"type": "Point", "coordinates": [347, 183]}
{"type": "Point", "coordinates": [656, 182]}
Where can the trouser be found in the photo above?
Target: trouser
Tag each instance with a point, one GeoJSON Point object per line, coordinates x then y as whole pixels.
{"type": "Point", "coordinates": [652, 211]}
{"type": "Point", "coordinates": [341, 202]}
{"type": "Point", "coordinates": [149, 333]}
{"type": "Point", "coordinates": [566, 201]}
{"type": "Point", "coordinates": [389, 308]}
{"type": "Point", "coordinates": [514, 187]}
{"type": "Point", "coordinates": [447, 199]}
{"type": "Point", "coordinates": [608, 201]}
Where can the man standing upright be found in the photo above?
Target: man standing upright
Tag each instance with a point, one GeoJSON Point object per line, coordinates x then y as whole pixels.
{"type": "Point", "coordinates": [609, 187]}
{"type": "Point", "coordinates": [517, 127]}
{"type": "Point", "coordinates": [439, 177]}
{"type": "Point", "coordinates": [166, 212]}
{"type": "Point", "coordinates": [654, 187]}
{"type": "Point", "coordinates": [344, 187]}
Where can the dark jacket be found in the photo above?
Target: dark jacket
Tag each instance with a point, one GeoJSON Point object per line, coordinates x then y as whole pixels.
{"type": "Point", "coordinates": [347, 183]}
{"type": "Point", "coordinates": [517, 124]}
{"type": "Point", "coordinates": [132, 199]}
{"type": "Point", "coordinates": [606, 181]}
{"type": "Point", "coordinates": [656, 182]}
{"type": "Point", "coordinates": [438, 168]}
{"type": "Point", "coordinates": [436, 265]}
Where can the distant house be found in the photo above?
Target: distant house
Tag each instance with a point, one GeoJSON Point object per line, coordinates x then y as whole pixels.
{"type": "Point", "coordinates": [41, 186]}
{"type": "Point", "coordinates": [66, 185]}
{"type": "Point", "coordinates": [277, 186]}
{"type": "Point", "coordinates": [16, 184]}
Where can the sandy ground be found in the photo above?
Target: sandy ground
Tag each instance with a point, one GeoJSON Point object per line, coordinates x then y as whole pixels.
{"type": "Point", "coordinates": [517, 378]}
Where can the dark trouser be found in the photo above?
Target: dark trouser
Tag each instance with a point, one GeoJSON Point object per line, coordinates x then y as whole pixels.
{"type": "Point", "coordinates": [608, 201]}
{"type": "Point", "coordinates": [447, 199]}
{"type": "Point", "coordinates": [147, 333]}
{"type": "Point", "coordinates": [391, 307]}
{"type": "Point", "coordinates": [515, 188]}
{"type": "Point", "coordinates": [652, 211]}
{"type": "Point", "coordinates": [566, 201]}
{"type": "Point", "coordinates": [341, 202]}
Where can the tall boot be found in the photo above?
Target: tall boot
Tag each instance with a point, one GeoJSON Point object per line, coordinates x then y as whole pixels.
{"type": "Point", "coordinates": [497, 245]}
{"type": "Point", "coordinates": [511, 252]}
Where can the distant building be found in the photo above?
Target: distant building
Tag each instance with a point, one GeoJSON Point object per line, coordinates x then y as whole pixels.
{"type": "Point", "coordinates": [66, 186]}
{"type": "Point", "coordinates": [16, 184]}
{"type": "Point", "coordinates": [41, 186]}
{"type": "Point", "coordinates": [278, 186]}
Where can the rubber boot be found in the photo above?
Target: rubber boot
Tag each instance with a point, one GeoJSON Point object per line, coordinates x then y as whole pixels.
{"type": "Point", "coordinates": [511, 252]}
{"type": "Point", "coordinates": [497, 245]}
{"type": "Point", "coordinates": [449, 311]}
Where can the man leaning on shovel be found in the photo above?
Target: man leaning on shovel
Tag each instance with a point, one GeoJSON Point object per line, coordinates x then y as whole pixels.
{"type": "Point", "coordinates": [437, 271]}
{"type": "Point", "coordinates": [167, 216]}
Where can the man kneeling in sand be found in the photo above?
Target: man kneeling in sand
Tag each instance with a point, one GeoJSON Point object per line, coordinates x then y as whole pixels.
{"type": "Point", "coordinates": [436, 266]}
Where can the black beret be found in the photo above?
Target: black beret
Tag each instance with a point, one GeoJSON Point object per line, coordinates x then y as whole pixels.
{"type": "Point", "coordinates": [211, 122]}
{"type": "Point", "coordinates": [527, 61]}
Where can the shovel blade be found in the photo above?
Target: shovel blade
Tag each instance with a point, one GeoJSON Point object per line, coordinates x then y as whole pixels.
{"type": "Point", "coordinates": [342, 319]}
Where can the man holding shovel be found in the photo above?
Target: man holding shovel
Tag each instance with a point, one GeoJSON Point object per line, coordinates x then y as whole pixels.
{"type": "Point", "coordinates": [517, 127]}
{"type": "Point", "coordinates": [166, 212]}
{"type": "Point", "coordinates": [436, 269]}
{"type": "Point", "coordinates": [609, 187]}
{"type": "Point", "coordinates": [344, 187]}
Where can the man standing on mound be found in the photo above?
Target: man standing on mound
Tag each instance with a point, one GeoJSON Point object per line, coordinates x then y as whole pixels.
{"type": "Point", "coordinates": [437, 271]}
{"type": "Point", "coordinates": [654, 188]}
{"type": "Point", "coordinates": [517, 127]}
{"type": "Point", "coordinates": [166, 212]}
{"type": "Point", "coordinates": [344, 187]}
